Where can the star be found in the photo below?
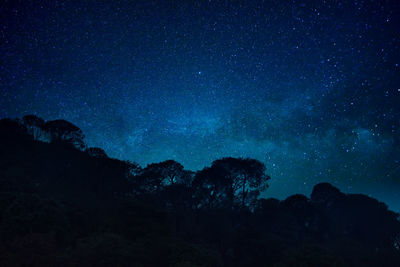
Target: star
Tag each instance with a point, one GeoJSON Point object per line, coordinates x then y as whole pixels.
{"type": "Point", "coordinates": [198, 82]}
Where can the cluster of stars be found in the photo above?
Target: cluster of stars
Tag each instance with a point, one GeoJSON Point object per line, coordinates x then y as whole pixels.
{"type": "Point", "coordinates": [311, 89]}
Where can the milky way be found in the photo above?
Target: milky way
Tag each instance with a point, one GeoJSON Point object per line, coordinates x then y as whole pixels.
{"type": "Point", "coordinates": [311, 89]}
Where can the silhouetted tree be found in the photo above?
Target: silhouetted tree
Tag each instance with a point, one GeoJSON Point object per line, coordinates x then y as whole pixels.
{"type": "Point", "coordinates": [96, 152]}
{"type": "Point", "coordinates": [158, 175]}
{"type": "Point", "coordinates": [133, 168]}
{"type": "Point", "coordinates": [297, 201]}
{"type": "Point", "coordinates": [61, 206]}
{"type": "Point", "coordinates": [326, 193]}
{"type": "Point", "coordinates": [358, 217]}
{"type": "Point", "coordinates": [35, 126]}
{"type": "Point", "coordinates": [231, 180]}
{"type": "Point", "coordinates": [146, 181]}
{"type": "Point", "coordinates": [212, 188]}
{"type": "Point", "coordinates": [64, 131]}
{"type": "Point", "coordinates": [247, 175]}
{"type": "Point", "coordinates": [169, 171]}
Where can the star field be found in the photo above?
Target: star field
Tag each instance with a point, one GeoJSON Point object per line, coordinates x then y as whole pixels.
{"type": "Point", "coordinates": [311, 88]}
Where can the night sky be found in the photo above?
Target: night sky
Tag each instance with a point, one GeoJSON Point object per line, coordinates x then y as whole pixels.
{"type": "Point", "coordinates": [311, 88]}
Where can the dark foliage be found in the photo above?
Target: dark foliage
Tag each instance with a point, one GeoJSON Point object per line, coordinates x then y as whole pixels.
{"type": "Point", "coordinates": [63, 206]}
{"type": "Point", "coordinates": [96, 152]}
{"type": "Point", "coordinates": [35, 126]}
{"type": "Point", "coordinates": [65, 132]}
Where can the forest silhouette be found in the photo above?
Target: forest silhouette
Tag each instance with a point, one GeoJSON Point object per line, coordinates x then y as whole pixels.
{"type": "Point", "coordinates": [64, 204]}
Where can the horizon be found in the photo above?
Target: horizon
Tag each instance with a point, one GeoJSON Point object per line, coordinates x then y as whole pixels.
{"type": "Point", "coordinates": [392, 204]}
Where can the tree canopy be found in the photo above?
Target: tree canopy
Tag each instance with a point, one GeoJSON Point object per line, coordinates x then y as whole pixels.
{"type": "Point", "coordinates": [66, 132]}
{"type": "Point", "coordinates": [238, 180]}
{"type": "Point", "coordinates": [34, 125]}
{"type": "Point", "coordinates": [64, 206]}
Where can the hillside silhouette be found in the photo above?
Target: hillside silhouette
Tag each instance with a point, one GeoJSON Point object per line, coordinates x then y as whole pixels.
{"type": "Point", "coordinates": [64, 204]}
